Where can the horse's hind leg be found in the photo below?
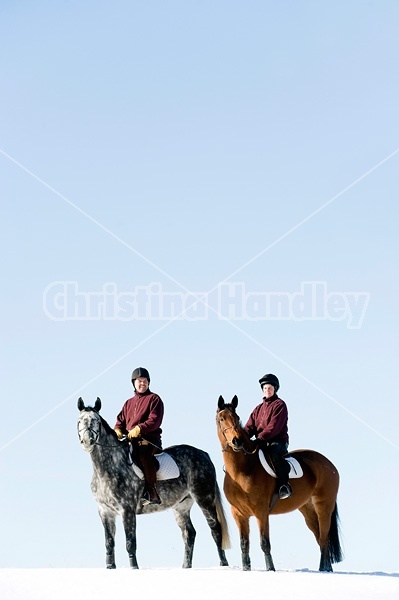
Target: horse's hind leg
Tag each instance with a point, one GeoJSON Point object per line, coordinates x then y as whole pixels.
{"type": "Point", "coordinates": [329, 544]}
{"type": "Point", "coordinates": [108, 521]}
{"type": "Point", "coordinates": [182, 516]}
{"type": "Point", "coordinates": [318, 520]}
{"type": "Point", "coordinates": [211, 515]}
{"type": "Point", "coordinates": [311, 519]}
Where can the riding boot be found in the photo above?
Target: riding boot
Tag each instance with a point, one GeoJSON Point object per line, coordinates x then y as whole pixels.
{"type": "Point", "coordinates": [282, 470]}
{"type": "Point", "coordinates": [154, 496]}
{"type": "Point", "coordinates": [150, 496]}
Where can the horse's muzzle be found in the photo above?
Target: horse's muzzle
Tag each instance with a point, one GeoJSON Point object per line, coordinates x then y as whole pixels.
{"type": "Point", "coordinates": [237, 444]}
{"type": "Point", "coordinates": [87, 442]}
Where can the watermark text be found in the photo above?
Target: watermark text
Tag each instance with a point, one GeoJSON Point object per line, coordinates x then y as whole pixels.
{"type": "Point", "coordinates": [65, 301]}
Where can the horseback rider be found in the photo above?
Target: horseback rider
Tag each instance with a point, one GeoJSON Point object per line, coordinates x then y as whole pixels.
{"type": "Point", "coordinates": [268, 422]}
{"type": "Point", "coordinates": [140, 419]}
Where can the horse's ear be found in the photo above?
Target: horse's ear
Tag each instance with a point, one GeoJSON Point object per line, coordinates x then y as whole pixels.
{"type": "Point", "coordinates": [234, 402]}
{"type": "Point", "coordinates": [81, 404]}
{"type": "Point", "coordinates": [221, 403]}
{"type": "Point", "coordinates": [97, 405]}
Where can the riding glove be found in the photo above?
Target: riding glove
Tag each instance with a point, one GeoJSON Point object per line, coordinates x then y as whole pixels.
{"type": "Point", "coordinates": [118, 433]}
{"type": "Point", "coordinates": [134, 433]}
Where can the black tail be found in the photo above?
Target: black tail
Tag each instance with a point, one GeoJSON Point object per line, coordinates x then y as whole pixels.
{"type": "Point", "coordinates": [334, 547]}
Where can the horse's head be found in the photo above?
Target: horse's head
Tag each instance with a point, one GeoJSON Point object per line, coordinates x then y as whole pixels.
{"type": "Point", "coordinates": [229, 426]}
{"type": "Point", "coordinates": [89, 424]}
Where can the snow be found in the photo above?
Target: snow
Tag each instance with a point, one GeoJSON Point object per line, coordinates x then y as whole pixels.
{"type": "Point", "coordinates": [223, 582]}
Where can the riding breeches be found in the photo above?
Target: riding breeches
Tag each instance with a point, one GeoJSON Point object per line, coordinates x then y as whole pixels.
{"type": "Point", "coordinates": [148, 462]}
{"type": "Point", "coordinates": [276, 451]}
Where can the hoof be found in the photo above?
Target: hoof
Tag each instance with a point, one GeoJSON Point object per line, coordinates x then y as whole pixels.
{"type": "Point", "coordinates": [224, 563]}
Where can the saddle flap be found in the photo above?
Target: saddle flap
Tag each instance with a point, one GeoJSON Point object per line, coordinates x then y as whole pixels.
{"type": "Point", "coordinates": [295, 467]}
{"type": "Point", "coordinates": [168, 468]}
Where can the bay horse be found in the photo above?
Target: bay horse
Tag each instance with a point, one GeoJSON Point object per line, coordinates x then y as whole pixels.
{"type": "Point", "coordinates": [117, 489]}
{"type": "Point", "coordinates": [250, 491]}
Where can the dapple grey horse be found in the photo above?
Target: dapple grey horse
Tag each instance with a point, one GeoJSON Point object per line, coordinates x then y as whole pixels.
{"type": "Point", "coordinates": [117, 489]}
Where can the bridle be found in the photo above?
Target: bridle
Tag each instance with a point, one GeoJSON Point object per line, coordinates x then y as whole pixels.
{"type": "Point", "coordinates": [94, 434]}
{"type": "Point", "coordinates": [229, 443]}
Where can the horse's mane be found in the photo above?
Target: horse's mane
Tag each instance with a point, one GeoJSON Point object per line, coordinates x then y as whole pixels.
{"type": "Point", "coordinates": [232, 409]}
{"type": "Point", "coordinates": [107, 427]}
{"type": "Point", "coordinates": [104, 423]}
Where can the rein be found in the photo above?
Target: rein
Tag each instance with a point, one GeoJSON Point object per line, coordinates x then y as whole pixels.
{"type": "Point", "coordinates": [124, 441]}
{"type": "Point", "coordinates": [250, 452]}
{"type": "Point", "coordinates": [95, 435]}
{"type": "Point", "coordinates": [120, 443]}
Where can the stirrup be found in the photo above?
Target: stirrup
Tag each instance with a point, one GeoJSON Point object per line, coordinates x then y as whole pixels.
{"type": "Point", "coordinates": [147, 498]}
{"type": "Point", "coordinates": [284, 491]}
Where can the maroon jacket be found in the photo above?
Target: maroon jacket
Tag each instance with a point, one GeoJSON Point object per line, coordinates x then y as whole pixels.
{"type": "Point", "coordinates": [268, 421]}
{"type": "Point", "coordinates": [145, 410]}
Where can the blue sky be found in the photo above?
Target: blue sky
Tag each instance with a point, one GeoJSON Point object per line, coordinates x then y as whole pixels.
{"type": "Point", "coordinates": [181, 147]}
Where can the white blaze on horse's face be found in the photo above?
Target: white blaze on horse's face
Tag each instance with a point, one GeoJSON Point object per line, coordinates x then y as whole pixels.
{"type": "Point", "coordinates": [88, 429]}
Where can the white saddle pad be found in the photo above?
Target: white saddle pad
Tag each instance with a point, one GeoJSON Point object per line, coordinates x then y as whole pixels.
{"type": "Point", "coordinates": [168, 468]}
{"type": "Point", "coordinates": [295, 467]}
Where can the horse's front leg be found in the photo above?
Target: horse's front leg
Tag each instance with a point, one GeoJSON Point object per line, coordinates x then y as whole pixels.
{"type": "Point", "coordinates": [108, 521]}
{"type": "Point", "coordinates": [129, 525]}
{"type": "Point", "coordinates": [243, 529]}
{"type": "Point", "coordinates": [263, 524]}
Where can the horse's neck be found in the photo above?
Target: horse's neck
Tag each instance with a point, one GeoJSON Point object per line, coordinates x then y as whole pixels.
{"type": "Point", "coordinates": [237, 463]}
{"type": "Point", "coordinates": [107, 452]}
{"type": "Point", "coordinates": [250, 446]}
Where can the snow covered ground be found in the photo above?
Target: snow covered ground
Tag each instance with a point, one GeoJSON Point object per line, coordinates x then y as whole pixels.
{"type": "Point", "coordinates": [224, 582]}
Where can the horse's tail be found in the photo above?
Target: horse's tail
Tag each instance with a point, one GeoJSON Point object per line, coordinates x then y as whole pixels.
{"type": "Point", "coordinates": [222, 519]}
{"type": "Point", "coordinates": [334, 547]}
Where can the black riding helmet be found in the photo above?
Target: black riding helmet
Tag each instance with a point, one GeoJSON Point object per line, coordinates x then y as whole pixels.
{"type": "Point", "coordinates": [140, 372]}
{"type": "Point", "coordinates": [272, 379]}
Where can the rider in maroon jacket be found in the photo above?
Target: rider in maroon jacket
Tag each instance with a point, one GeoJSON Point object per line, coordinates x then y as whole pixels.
{"type": "Point", "coordinates": [268, 422]}
{"type": "Point", "coordinates": [140, 419]}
